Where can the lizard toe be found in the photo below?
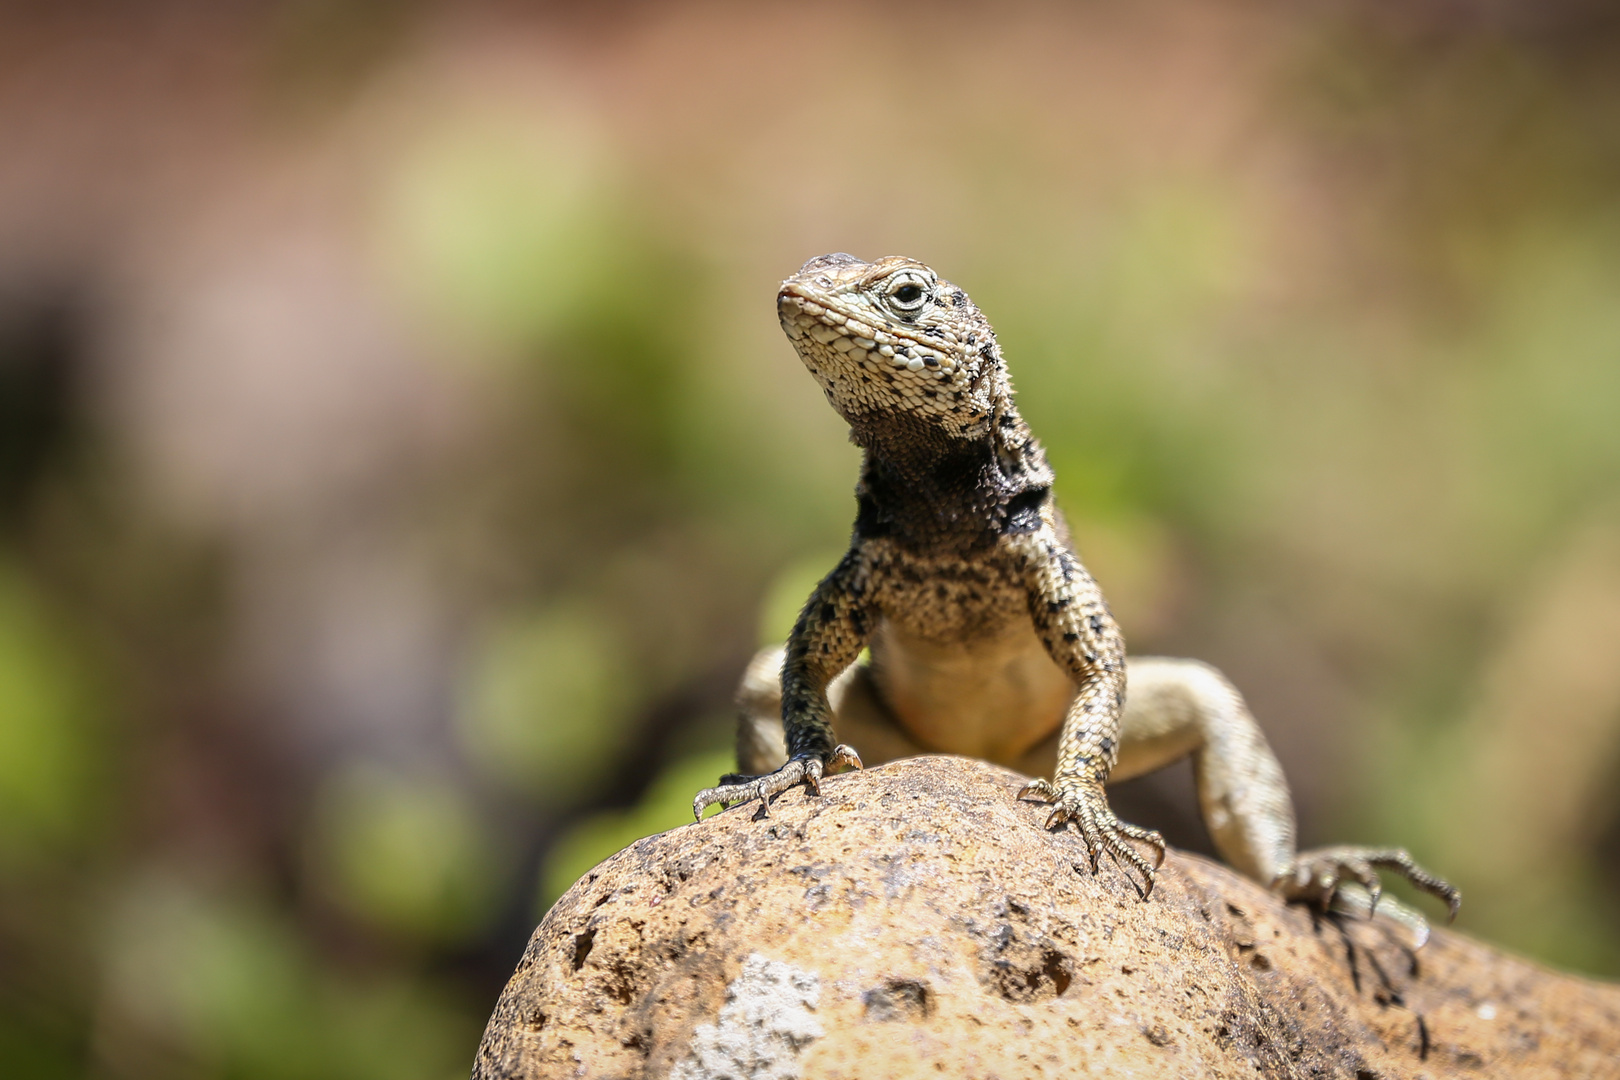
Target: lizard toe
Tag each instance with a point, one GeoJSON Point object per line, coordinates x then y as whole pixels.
{"type": "Point", "coordinates": [1086, 807]}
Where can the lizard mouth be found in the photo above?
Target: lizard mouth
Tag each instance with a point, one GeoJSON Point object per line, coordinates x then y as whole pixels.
{"type": "Point", "coordinates": [811, 316]}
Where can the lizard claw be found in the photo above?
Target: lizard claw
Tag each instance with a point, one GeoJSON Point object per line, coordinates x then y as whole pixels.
{"type": "Point", "coordinates": [1318, 877]}
{"type": "Point", "coordinates": [806, 769]}
{"type": "Point", "coordinates": [1087, 807]}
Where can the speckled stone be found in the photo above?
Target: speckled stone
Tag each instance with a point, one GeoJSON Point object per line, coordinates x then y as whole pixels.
{"type": "Point", "coordinates": [915, 920]}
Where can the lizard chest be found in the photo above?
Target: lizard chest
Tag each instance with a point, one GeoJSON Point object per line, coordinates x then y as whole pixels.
{"type": "Point", "coordinates": [948, 600]}
{"type": "Point", "coordinates": [957, 661]}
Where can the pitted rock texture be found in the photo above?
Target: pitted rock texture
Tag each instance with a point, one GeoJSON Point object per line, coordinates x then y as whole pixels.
{"type": "Point", "coordinates": [916, 920]}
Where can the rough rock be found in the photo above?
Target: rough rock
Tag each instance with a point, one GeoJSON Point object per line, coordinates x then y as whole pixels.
{"type": "Point", "coordinates": [916, 920]}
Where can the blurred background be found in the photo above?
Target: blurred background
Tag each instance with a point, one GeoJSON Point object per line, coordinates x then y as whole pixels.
{"type": "Point", "coordinates": [400, 459]}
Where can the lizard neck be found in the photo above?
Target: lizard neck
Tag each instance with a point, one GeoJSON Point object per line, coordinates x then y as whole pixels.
{"type": "Point", "coordinates": [934, 492]}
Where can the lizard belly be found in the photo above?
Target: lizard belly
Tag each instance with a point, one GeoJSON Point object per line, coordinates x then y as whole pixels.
{"type": "Point", "coordinates": [993, 695]}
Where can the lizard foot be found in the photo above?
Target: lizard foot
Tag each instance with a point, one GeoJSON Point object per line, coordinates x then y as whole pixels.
{"type": "Point", "coordinates": [1324, 878]}
{"type": "Point", "coordinates": [1087, 807]}
{"type": "Point", "coordinates": [806, 769]}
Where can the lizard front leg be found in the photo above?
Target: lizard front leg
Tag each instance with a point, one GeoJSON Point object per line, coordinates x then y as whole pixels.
{"type": "Point", "coordinates": [1080, 634]}
{"type": "Point", "coordinates": [828, 636]}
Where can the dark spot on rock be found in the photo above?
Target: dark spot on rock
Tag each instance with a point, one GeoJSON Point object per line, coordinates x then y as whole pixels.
{"type": "Point", "coordinates": [1157, 1035]}
{"type": "Point", "coordinates": [582, 947]}
{"type": "Point", "coordinates": [898, 999]}
{"type": "Point", "coordinates": [1049, 976]}
{"type": "Point", "coordinates": [621, 985]}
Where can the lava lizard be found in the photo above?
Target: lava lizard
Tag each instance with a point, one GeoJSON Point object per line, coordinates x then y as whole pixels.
{"type": "Point", "coordinates": [987, 636]}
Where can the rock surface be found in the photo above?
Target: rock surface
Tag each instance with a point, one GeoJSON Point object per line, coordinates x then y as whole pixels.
{"type": "Point", "coordinates": [915, 920]}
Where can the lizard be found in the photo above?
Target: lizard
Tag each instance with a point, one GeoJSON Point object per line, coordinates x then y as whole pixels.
{"type": "Point", "coordinates": [986, 635]}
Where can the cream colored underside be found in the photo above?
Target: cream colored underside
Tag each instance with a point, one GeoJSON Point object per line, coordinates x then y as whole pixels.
{"type": "Point", "coordinates": [1000, 697]}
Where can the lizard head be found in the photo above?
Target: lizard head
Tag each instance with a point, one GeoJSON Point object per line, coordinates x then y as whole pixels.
{"type": "Point", "coordinates": [891, 340]}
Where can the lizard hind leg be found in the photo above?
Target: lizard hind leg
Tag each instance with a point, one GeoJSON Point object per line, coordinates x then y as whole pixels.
{"type": "Point", "coordinates": [1321, 877]}
{"type": "Point", "coordinates": [1176, 707]}
{"type": "Point", "coordinates": [761, 746]}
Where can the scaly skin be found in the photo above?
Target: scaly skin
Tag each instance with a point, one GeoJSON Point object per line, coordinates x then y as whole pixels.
{"type": "Point", "coordinates": [987, 635]}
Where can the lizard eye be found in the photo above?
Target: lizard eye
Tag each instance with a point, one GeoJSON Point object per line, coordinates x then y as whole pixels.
{"type": "Point", "coordinates": [907, 293]}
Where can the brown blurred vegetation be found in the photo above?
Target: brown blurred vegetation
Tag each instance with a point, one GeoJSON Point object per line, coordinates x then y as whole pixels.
{"type": "Point", "coordinates": [399, 458]}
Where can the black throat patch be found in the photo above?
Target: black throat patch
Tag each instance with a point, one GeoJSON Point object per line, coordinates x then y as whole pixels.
{"type": "Point", "coordinates": [933, 494]}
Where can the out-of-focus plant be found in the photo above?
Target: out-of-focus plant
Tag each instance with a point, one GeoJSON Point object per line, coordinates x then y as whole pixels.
{"type": "Point", "coordinates": [405, 852]}
{"type": "Point", "coordinates": [548, 702]}
{"type": "Point", "coordinates": [216, 976]}
{"type": "Point", "coordinates": [52, 736]}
